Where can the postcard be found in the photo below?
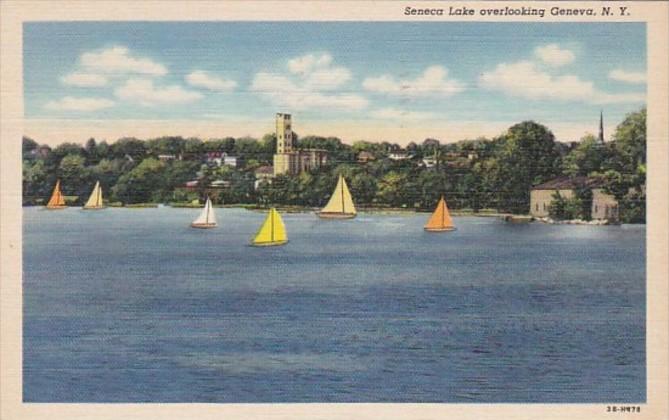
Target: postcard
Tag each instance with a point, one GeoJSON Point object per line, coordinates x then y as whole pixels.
{"type": "Point", "coordinates": [334, 210]}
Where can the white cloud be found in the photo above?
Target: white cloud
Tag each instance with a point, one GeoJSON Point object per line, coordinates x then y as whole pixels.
{"type": "Point", "coordinates": [627, 76]}
{"type": "Point", "coordinates": [402, 115]}
{"type": "Point", "coordinates": [433, 82]}
{"type": "Point", "coordinates": [208, 81]}
{"type": "Point", "coordinates": [553, 55]}
{"type": "Point", "coordinates": [307, 63]}
{"type": "Point", "coordinates": [524, 79]}
{"type": "Point", "coordinates": [308, 83]}
{"type": "Point", "coordinates": [284, 92]}
{"type": "Point", "coordinates": [145, 93]}
{"type": "Point", "coordinates": [70, 103]}
{"type": "Point", "coordinates": [118, 60]}
{"type": "Point", "coordinates": [84, 79]}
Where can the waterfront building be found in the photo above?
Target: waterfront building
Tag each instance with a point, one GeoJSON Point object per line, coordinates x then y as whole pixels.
{"type": "Point", "coordinates": [263, 174]}
{"type": "Point", "coordinates": [289, 160]}
{"type": "Point", "coordinates": [604, 206]}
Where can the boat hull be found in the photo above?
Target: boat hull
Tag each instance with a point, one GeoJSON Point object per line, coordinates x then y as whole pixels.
{"type": "Point", "coordinates": [93, 208]}
{"type": "Point", "coordinates": [444, 229]}
{"type": "Point", "coordinates": [324, 215]}
{"type": "Point", "coordinates": [55, 207]}
{"type": "Point", "coordinates": [264, 244]}
{"type": "Point", "coordinates": [203, 225]}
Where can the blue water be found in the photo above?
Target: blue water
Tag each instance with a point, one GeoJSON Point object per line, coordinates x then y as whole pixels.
{"type": "Point", "coordinates": [132, 305]}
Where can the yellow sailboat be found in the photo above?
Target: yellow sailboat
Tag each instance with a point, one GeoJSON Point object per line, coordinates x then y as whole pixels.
{"type": "Point", "coordinates": [341, 204]}
{"type": "Point", "coordinates": [440, 221]}
{"type": "Point", "coordinates": [95, 200]}
{"type": "Point", "coordinates": [272, 232]}
{"type": "Point", "coordinates": [57, 200]}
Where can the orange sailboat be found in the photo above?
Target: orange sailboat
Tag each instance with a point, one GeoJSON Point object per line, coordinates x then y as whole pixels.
{"type": "Point", "coordinates": [57, 200]}
{"type": "Point", "coordinates": [440, 221]}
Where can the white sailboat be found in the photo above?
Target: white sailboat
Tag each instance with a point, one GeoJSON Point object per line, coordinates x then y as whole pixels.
{"type": "Point", "coordinates": [95, 200]}
{"type": "Point", "coordinates": [206, 219]}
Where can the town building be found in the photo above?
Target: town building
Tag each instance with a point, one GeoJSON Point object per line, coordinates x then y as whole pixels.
{"type": "Point", "coordinates": [399, 155]}
{"type": "Point", "coordinates": [365, 156]}
{"type": "Point", "coordinates": [221, 159]}
{"type": "Point", "coordinates": [604, 206]}
{"type": "Point", "coordinates": [289, 160]}
{"type": "Point", "coordinates": [264, 174]}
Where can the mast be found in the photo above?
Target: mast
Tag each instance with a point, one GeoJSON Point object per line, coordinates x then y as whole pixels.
{"type": "Point", "coordinates": [343, 207]}
{"type": "Point", "coordinates": [271, 221]}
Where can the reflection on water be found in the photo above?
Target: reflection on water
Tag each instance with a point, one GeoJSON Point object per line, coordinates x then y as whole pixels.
{"type": "Point", "coordinates": [133, 305]}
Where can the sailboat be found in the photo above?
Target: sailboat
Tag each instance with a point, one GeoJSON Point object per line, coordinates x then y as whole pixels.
{"type": "Point", "coordinates": [206, 219]}
{"type": "Point", "coordinates": [95, 200]}
{"type": "Point", "coordinates": [272, 232]}
{"type": "Point", "coordinates": [440, 221]}
{"type": "Point", "coordinates": [340, 205]}
{"type": "Point", "coordinates": [57, 200]}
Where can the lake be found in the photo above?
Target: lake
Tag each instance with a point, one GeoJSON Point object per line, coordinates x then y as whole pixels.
{"type": "Point", "coordinates": [133, 305]}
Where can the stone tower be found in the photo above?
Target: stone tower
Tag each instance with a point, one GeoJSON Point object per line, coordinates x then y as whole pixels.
{"type": "Point", "coordinates": [284, 134]}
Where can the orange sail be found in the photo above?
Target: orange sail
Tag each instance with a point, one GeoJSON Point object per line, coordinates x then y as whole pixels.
{"type": "Point", "coordinates": [57, 200]}
{"type": "Point", "coordinates": [440, 221]}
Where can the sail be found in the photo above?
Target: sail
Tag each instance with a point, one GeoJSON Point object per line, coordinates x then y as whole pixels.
{"type": "Point", "coordinates": [207, 216]}
{"type": "Point", "coordinates": [341, 200]}
{"type": "Point", "coordinates": [95, 200]}
{"type": "Point", "coordinates": [272, 230]}
{"type": "Point", "coordinates": [440, 219]}
{"type": "Point", "coordinates": [57, 199]}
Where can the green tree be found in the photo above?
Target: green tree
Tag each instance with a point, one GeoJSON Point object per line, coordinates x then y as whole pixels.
{"type": "Point", "coordinates": [587, 157]}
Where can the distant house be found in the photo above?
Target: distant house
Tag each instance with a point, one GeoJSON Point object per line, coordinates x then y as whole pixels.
{"type": "Point", "coordinates": [399, 155]}
{"type": "Point", "coordinates": [221, 159]}
{"type": "Point", "coordinates": [604, 206]}
{"type": "Point", "coordinates": [263, 174]}
{"type": "Point", "coordinates": [166, 157]}
{"type": "Point", "coordinates": [365, 156]}
{"type": "Point", "coordinates": [430, 161]}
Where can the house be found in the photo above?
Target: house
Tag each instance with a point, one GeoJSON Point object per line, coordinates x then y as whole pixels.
{"type": "Point", "coordinates": [166, 157]}
{"type": "Point", "coordinates": [263, 174]}
{"type": "Point", "coordinates": [221, 159]}
{"type": "Point", "coordinates": [399, 155]}
{"type": "Point", "coordinates": [430, 161]}
{"type": "Point", "coordinates": [365, 156]}
{"type": "Point", "coordinates": [604, 206]}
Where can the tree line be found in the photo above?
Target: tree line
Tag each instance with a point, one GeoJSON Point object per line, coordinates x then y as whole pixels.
{"type": "Point", "coordinates": [477, 174]}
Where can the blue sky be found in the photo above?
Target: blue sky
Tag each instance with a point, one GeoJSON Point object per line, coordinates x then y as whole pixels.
{"type": "Point", "coordinates": [358, 80]}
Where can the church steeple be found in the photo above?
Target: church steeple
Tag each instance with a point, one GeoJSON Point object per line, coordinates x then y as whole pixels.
{"type": "Point", "coordinates": [601, 127]}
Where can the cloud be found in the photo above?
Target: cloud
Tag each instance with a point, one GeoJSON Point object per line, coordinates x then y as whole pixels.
{"type": "Point", "coordinates": [284, 92]}
{"type": "Point", "coordinates": [307, 84]}
{"type": "Point", "coordinates": [402, 115]}
{"type": "Point", "coordinates": [84, 80]}
{"type": "Point", "coordinates": [553, 55]}
{"type": "Point", "coordinates": [627, 76]}
{"type": "Point", "coordinates": [117, 60]}
{"type": "Point", "coordinates": [433, 82]}
{"type": "Point", "coordinates": [318, 73]}
{"type": "Point", "coordinates": [523, 79]}
{"type": "Point", "coordinates": [146, 94]}
{"type": "Point", "coordinates": [205, 80]}
{"type": "Point", "coordinates": [70, 103]}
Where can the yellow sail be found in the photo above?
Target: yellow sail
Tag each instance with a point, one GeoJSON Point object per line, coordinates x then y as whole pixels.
{"type": "Point", "coordinates": [272, 231]}
{"type": "Point", "coordinates": [341, 203]}
{"type": "Point", "coordinates": [95, 200]}
{"type": "Point", "coordinates": [440, 221]}
{"type": "Point", "coordinates": [57, 201]}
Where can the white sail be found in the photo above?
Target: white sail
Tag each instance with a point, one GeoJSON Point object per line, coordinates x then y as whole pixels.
{"type": "Point", "coordinates": [95, 200]}
{"type": "Point", "coordinates": [207, 217]}
{"type": "Point", "coordinates": [341, 200]}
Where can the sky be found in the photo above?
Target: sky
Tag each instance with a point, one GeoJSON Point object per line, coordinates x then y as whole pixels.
{"type": "Point", "coordinates": [375, 81]}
